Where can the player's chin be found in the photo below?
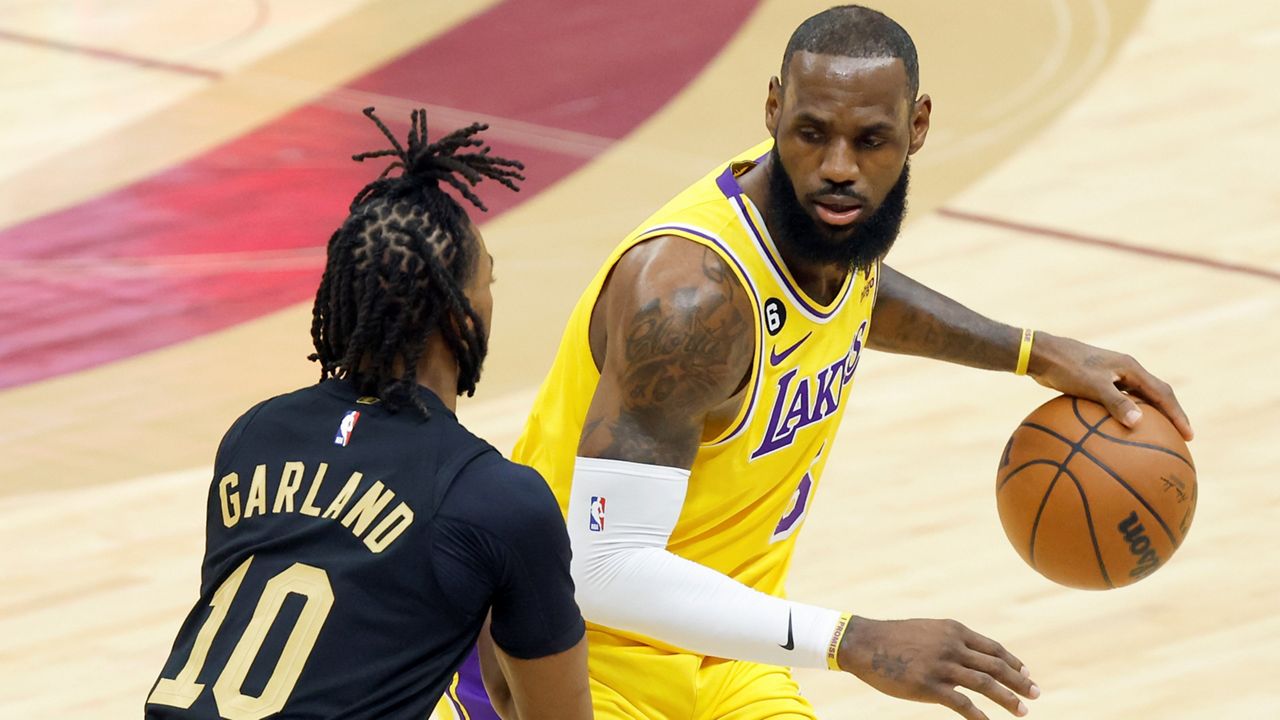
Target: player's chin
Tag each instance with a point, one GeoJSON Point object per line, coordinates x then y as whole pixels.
{"type": "Point", "coordinates": [837, 235]}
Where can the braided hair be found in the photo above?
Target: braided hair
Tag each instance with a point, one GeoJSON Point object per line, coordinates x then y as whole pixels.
{"type": "Point", "coordinates": [397, 266]}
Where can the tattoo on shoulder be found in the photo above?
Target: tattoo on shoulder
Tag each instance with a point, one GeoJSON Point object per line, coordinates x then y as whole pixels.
{"type": "Point", "coordinates": [714, 267]}
{"type": "Point", "coordinates": [680, 348]}
{"type": "Point", "coordinates": [685, 353]}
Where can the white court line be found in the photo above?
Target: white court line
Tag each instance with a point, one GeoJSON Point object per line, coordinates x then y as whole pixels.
{"type": "Point", "coordinates": [994, 134]}
{"type": "Point", "coordinates": [1052, 63]}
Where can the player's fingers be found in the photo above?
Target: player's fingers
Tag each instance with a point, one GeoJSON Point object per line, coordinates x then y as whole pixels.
{"type": "Point", "coordinates": [1019, 682]}
{"type": "Point", "coordinates": [961, 704]}
{"type": "Point", "coordinates": [987, 646]}
{"type": "Point", "coordinates": [989, 686]}
{"type": "Point", "coordinates": [1121, 406]}
{"type": "Point", "coordinates": [1160, 394]}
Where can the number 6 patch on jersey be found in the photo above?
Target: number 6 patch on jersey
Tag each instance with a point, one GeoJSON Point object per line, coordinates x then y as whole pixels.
{"type": "Point", "coordinates": [775, 315]}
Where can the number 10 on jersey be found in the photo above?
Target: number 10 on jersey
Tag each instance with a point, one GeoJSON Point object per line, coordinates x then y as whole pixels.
{"type": "Point", "coordinates": [305, 580]}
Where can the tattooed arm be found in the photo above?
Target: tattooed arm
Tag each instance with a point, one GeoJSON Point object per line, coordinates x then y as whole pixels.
{"type": "Point", "coordinates": [914, 320]}
{"type": "Point", "coordinates": [673, 335]}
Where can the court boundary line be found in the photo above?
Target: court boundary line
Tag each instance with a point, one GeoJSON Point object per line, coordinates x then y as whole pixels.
{"type": "Point", "coordinates": [1117, 245]}
{"type": "Point", "coordinates": [110, 55]}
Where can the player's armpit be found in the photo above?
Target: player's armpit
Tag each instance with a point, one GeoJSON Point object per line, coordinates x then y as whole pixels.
{"type": "Point", "coordinates": [548, 688]}
{"type": "Point", "coordinates": [676, 330]}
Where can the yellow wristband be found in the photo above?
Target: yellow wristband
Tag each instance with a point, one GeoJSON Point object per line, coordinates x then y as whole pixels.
{"type": "Point", "coordinates": [833, 649]}
{"type": "Point", "coordinates": [1024, 351]}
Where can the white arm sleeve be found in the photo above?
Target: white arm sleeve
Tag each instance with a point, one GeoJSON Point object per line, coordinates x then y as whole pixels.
{"type": "Point", "coordinates": [621, 515]}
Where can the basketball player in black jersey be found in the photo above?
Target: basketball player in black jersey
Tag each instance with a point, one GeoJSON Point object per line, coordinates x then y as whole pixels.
{"type": "Point", "coordinates": [358, 535]}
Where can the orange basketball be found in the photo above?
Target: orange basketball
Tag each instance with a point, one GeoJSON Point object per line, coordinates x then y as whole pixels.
{"type": "Point", "coordinates": [1089, 503]}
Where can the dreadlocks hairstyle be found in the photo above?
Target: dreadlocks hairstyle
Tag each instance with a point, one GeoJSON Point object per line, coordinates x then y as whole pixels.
{"type": "Point", "coordinates": [397, 267]}
{"type": "Point", "coordinates": [855, 31]}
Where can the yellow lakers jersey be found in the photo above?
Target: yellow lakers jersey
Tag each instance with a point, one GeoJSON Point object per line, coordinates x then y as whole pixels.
{"type": "Point", "coordinates": [750, 488]}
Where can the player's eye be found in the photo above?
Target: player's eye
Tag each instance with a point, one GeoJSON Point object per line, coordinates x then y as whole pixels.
{"type": "Point", "coordinates": [810, 135]}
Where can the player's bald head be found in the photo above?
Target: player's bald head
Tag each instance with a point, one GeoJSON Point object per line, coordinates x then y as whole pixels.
{"type": "Point", "coordinates": [858, 32]}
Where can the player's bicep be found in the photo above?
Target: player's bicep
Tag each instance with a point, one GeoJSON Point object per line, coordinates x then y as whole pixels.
{"type": "Point", "coordinates": [679, 342]}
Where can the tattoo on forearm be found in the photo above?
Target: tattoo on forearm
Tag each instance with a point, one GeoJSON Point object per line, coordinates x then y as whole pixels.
{"type": "Point", "coordinates": [950, 332]}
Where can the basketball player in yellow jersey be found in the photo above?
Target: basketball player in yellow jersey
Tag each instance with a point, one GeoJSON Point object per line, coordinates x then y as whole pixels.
{"type": "Point", "coordinates": [690, 411]}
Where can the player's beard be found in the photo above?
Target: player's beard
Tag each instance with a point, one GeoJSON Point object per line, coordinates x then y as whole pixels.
{"type": "Point", "coordinates": [856, 247]}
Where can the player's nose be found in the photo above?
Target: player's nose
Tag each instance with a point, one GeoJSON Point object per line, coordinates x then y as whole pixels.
{"type": "Point", "coordinates": [840, 164]}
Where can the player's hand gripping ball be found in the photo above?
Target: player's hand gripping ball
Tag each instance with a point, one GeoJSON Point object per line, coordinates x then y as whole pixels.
{"type": "Point", "coordinates": [1089, 503]}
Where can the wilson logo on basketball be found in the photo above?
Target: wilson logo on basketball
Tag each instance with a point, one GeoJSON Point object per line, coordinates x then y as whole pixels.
{"type": "Point", "coordinates": [1140, 545]}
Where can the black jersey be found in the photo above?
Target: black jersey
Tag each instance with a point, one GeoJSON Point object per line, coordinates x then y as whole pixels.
{"type": "Point", "coordinates": [352, 554]}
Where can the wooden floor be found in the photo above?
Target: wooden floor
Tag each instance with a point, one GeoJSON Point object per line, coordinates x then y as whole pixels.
{"type": "Point", "coordinates": [1103, 169]}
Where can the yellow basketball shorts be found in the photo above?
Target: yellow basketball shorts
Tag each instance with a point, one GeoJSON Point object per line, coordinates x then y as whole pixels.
{"type": "Point", "coordinates": [634, 681]}
{"type": "Point", "coordinates": [631, 680]}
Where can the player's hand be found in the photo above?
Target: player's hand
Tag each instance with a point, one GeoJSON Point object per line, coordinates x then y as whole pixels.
{"type": "Point", "coordinates": [1074, 368]}
{"type": "Point", "coordinates": [927, 660]}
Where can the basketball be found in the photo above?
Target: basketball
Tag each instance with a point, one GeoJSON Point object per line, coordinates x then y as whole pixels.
{"type": "Point", "coordinates": [1089, 503]}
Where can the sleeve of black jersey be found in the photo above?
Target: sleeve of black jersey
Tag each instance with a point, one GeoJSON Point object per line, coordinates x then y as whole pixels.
{"type": "Point", "coordinates": [534, 613]}
{"type": "Point", "coordinates": [231, 440]}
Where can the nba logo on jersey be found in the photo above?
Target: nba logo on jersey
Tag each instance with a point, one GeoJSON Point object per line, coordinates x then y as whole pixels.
{"type": "Point", "coordinates": [345, 427]}
{"type": "Point", "coordinates": [597, 514]}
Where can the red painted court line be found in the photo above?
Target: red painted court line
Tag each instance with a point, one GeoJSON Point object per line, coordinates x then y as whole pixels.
{"type": "Point", "coordinates": [1111, 244]}
{"type": "Point", "coordinates": [112, 55]}
{"type": "Point", "coordinates": [240, 230]}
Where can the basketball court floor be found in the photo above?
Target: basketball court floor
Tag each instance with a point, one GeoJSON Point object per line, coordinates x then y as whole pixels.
{"type": "Point", "coordinates": [170, 172]}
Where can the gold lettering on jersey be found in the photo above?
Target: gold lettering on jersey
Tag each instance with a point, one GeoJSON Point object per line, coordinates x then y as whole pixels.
{"type": "Point", "coordinates": [257, 499]}
{"type": "Point", "coordinates": [308, 505]}
{"type": "Point", "coordinates": [290, 482]}
{"type": "Point", "coordinates": [230, 499]}
{"type": "Point", "coordinates": [344, 496]}
{"type": "Point", "coordinates": [370, 505]}
{"type": "Point", "coordinates": [368, 517]}
{"type": "Point", "coordinates": [389, 528]}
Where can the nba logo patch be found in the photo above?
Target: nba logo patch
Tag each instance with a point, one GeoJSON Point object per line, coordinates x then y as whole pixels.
{"type": "Point", "coordinates": [345, 427]}
{"type": "Point", "coordinates": [597, 514]}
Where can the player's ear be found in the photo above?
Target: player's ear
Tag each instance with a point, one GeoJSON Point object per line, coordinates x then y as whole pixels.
{"type": "Point", "coordinates": [773, 106]}
{"type": "Point", "coordinates": [920, 123]}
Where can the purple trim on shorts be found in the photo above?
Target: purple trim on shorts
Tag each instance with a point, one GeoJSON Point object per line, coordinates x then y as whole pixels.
{"type": "Point", "coordinates": [755, 390]}
{"type": "Point", "coordinates": [471, 693]}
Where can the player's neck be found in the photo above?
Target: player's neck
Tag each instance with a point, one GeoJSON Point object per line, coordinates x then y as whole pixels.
{"type": "Point", "coordinates": [820, 281]}
{"type": "Point", "coordinates": [438, 371]}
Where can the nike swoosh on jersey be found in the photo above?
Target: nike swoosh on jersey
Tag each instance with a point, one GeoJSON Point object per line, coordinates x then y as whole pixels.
{"type": "Point", "coordinates": [791, 640]}
{"type": "Point", "coordinates": [775, 357]}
